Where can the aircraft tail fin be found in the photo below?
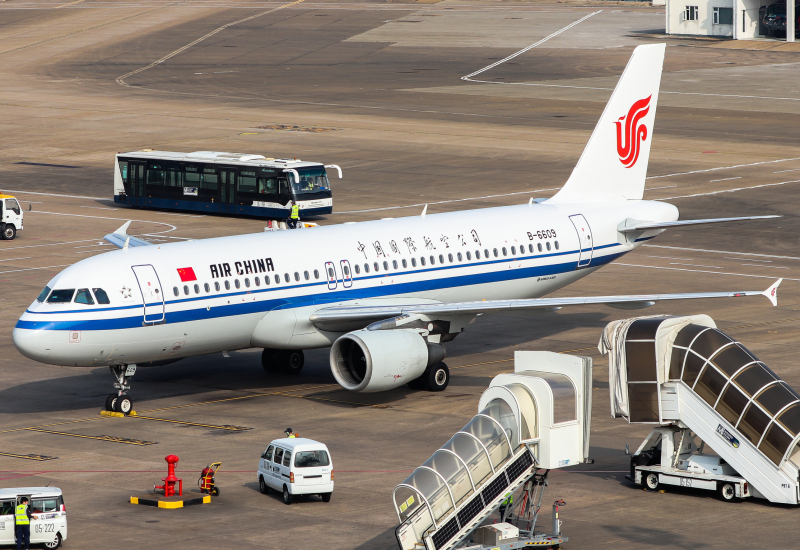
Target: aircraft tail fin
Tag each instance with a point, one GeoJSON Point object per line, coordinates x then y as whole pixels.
{"type": "Point", "coordinates": [613, 165]}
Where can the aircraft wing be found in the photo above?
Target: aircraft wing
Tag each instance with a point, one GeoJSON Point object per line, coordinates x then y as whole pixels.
{"type": "Point", "coordinates": [121, 239]}
{"type": "Point", "coordinates": [344, 318]}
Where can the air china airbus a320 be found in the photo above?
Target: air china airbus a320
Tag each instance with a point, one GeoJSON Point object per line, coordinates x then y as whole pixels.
{"type": "Point", "coordinates": [383, 294]}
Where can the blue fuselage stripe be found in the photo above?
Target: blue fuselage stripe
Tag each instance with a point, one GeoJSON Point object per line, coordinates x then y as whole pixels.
{"type": "Point", "coordinates": [325, 297]}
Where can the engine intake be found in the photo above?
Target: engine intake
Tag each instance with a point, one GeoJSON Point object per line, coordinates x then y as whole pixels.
{"type": "Point", "coordinates": [367, 361]}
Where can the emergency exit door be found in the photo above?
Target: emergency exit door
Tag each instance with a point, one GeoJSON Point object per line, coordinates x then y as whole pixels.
{"type": "Point", "coordinates": [152, 295]}
{"type": "Point", "coordinates": [330, 273]}
{"type": "Point", "coordinates": [585, 241]}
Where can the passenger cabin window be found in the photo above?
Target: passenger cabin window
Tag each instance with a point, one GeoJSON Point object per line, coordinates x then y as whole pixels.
{"type": "Point", "coordinates": [101, 296]}
{"type": "Point", "coordinates": [175, 291]}
{"type": "Point", "coordinates": [186, 289]}
{"type": "Point", "coordinates": [197, 289]}
{"type": "Point", "coordinates": [278, 455]}
{"type": "Point", "coordinates": [413, 262]}
{"type": "Point", "coordinates": [539, 246]}
{"type": "Point", "coordinates": [7, 507]}
{"type": "Point", "coordinates": [405, 264]}
{"type": "Point", "coordinates": [43, 294]}
{"type": "Point", "coordinates": [227, 285]}
{"type": "Point", "coordinates": [316, 272]}
{"type": "Point", "coordinates": [237, 283]}
{"type": "Point", "coordinates": [257, 281]}
{"type": "Point", "coordinates": [287, 458]}
{"type": "Point", "coordinates": [61, 296]}
{"type": "Point", "coordinates": [358, 270]}
{"type": "Point", "coordinates": [207, 288]}
{"type": "Point", "coordinates": [39, 505]}
{"type": "Point", "coordinates": [286, 277]}
{"type": "Point", "coordinates": [83, 296]}
{"type": "Point", "coordinates": [216, 286]}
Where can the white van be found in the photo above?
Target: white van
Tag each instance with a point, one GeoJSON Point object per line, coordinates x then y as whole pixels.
{"type": "Point", "coordinates": [49, 516]}
{"type": "Point", "coordinates": [296, 466]}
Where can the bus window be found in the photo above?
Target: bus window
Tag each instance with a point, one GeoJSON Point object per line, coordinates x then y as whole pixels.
{"type": "Point", "coordinates": [163, 174]}
{"type": "Point", "coordinates": [247, 182]}
{"type": "Point", "coordinates": [123, 169]}
{"type": "Point", "coordinates": [268, 186]}
{"type": "Point", "coordinates": [210, 179]}
{"type": "Point", "coordinates": [191, 176]}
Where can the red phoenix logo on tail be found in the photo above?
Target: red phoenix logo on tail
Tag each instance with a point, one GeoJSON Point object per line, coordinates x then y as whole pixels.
{"type": "Point", "coordinates": [628, 145]}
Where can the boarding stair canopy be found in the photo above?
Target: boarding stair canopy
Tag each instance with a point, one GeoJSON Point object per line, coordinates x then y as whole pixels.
{"type": "Point", "coordinates": [531, 420]}
{"type": "Point", "coordinates": [684, 371]}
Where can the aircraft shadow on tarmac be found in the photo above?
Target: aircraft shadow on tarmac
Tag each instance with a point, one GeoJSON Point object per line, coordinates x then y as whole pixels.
{"type": "Point", "coordinates": [196, 376]}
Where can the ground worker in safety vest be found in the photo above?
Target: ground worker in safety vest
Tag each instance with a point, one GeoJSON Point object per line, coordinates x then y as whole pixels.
{"type": "Point", "coordinates": [506, 503]}
{"type": "Point", "coordinates": [22, 519]}
{"type": "Point", "coordinates": [289, 433]}
{"type": "Point", "coordinates": [294, 216]}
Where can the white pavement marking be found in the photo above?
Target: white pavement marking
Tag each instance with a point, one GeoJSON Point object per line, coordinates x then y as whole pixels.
{"type": "Point", "coordinates": [56, 195]}
{"type": "Point", "coordinates": [523, 50]}
{"type": "Point", "coordinates": [696, 265]}
{"type": "Point", "coordinates": [49, 244]}
{"type": "Point", "coordinates": [723, 168]}
{"type": "Point", "coordinates": [665, 187]}
{"type": "Point", "coordinates": [15, 259]}
{"type": "Point", "coordinates": [782, 171]}
{"type": "Point", "coordinates": [767, 266]}
{"type": "Point", "coordinates": [727, 179]}
{"type": "Point", "coordinates": [106, 218]}
{"type": "Point", "coordinates": [34, 268]}
{"type": "Point", "coordinates": [121, 79]}
{"type": "Point", "coordinates": [443, 202]}
{"type": "Point", "coordinates": [748, 259]}
{"type": "Point", "coordinates": [703, 271]}
{"type": "Point", "coordinates": [723, 252]}
{"type": "Point", "coordinates": [730, 190]}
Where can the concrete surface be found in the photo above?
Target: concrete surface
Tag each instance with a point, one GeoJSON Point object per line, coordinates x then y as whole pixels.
{"type": "Point", "coordinates": [385, 79]}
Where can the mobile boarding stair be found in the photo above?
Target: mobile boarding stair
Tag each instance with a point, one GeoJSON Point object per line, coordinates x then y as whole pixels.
{"type": "Point", "coordinates": [530, 421]}
{"type": "Point", "coordinates": [689, 379]}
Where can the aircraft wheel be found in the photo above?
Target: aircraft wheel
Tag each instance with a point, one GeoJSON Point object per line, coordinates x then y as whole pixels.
{"type": "Point", "coordinates": [269, 359]}
{"type": "Point", "coordinates": [291, 361]}
{"type": "Point", "coordinates": [110, 400]}
{"type": "Point", "coordinates": [123, 404]}
{"type": "Point", "coordinates": [437, 377]}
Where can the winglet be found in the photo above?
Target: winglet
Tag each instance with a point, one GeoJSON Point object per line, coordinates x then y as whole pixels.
{"type": "Point", "coordinates": [124, 229]}
{"type": "Point", "coordinates": [424, 210]}
{"type": "Point", "coordinates": [772, 292]}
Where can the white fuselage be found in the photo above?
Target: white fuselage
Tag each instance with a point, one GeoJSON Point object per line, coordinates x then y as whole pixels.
{"type": "Point", "coordinates": [146, 321]}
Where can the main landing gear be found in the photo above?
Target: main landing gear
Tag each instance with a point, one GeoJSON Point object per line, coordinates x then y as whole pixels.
{"type": "Point", "coordinates": [435, 378]}
{"type": "Point", "coordinates": [120, 402]}
{"type": "Point", "coordinates": [284, 361]}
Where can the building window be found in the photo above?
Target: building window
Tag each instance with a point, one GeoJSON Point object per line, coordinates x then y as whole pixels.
{"type": "Point", "coordinates": [722, 16]}
{"type": "Point", "coordinates": [691, 13]}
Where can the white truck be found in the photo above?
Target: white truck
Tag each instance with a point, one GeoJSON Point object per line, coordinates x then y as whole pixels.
{"type": "Point", "coordinates": [10, 217]}
{"type": "Point", "coordinates": [49, 516]}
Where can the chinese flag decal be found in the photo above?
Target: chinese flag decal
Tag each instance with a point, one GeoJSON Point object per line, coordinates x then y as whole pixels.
{"type": "Point", "coordinates": [186, 274]}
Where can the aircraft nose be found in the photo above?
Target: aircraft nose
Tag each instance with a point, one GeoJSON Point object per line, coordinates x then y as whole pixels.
{"type": "Point", "coordinates": [33, 344]}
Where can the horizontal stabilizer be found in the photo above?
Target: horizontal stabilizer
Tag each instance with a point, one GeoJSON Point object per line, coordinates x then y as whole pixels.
{"type": "Point", "coordinates": [333, 318]}
{"type": "Point", "coordinates": [121, 239]}
{"type": "Point", "coordinates": [646, 226]}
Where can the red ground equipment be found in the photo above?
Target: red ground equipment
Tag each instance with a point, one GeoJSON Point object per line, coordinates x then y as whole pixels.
{"type": "Point", "coordinates": [207, 483]}
{"type": "Point", "coordinates": [171, 479]}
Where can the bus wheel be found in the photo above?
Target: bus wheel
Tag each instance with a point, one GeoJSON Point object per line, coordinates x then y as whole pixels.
{"type": "Point", "coordinates": [291, 361]}
{"type": "Point", "coordinates": [9, 232]}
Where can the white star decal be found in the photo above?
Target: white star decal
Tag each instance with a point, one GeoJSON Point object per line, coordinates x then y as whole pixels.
{"type": "Point", "coordinates": [126, 292]}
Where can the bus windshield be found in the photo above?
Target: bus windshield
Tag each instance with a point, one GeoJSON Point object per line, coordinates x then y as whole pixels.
{"type": "Point", "coordinates": [312, 180]}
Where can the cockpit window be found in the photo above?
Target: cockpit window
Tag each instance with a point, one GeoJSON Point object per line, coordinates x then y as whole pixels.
{"type": "Point", "coordinates": [43, 295]}
{"type": "Point", "coordinates": [84, 297]}
{"type": "Point", "coordinates": [61, 296]}
{"type": "Point", "coordinates": [102, 297]}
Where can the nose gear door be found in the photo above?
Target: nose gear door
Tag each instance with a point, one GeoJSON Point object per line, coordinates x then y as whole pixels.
{"type": "Point", "coordinates": [152, 295]}
{"type": "Point", "coordinates": [585, 240]}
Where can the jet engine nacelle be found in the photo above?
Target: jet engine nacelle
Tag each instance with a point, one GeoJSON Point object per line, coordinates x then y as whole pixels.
{"type": "Point", "coordinates": [367, 360]}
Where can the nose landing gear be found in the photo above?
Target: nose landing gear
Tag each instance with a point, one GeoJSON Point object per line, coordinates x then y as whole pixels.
{"type": "Point", "coordinates": [120, 402]}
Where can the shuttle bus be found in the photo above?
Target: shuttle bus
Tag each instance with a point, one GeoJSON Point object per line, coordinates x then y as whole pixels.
{"type": "Point", "coordinates": [224, 183]}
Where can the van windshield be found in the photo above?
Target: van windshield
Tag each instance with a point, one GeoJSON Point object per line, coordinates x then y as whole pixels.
{"type": "Point", "coordinates": [309, 459]}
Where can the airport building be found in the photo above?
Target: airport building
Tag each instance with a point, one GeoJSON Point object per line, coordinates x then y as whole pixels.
{"type": "Point", "coordinates": [737, 19]}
